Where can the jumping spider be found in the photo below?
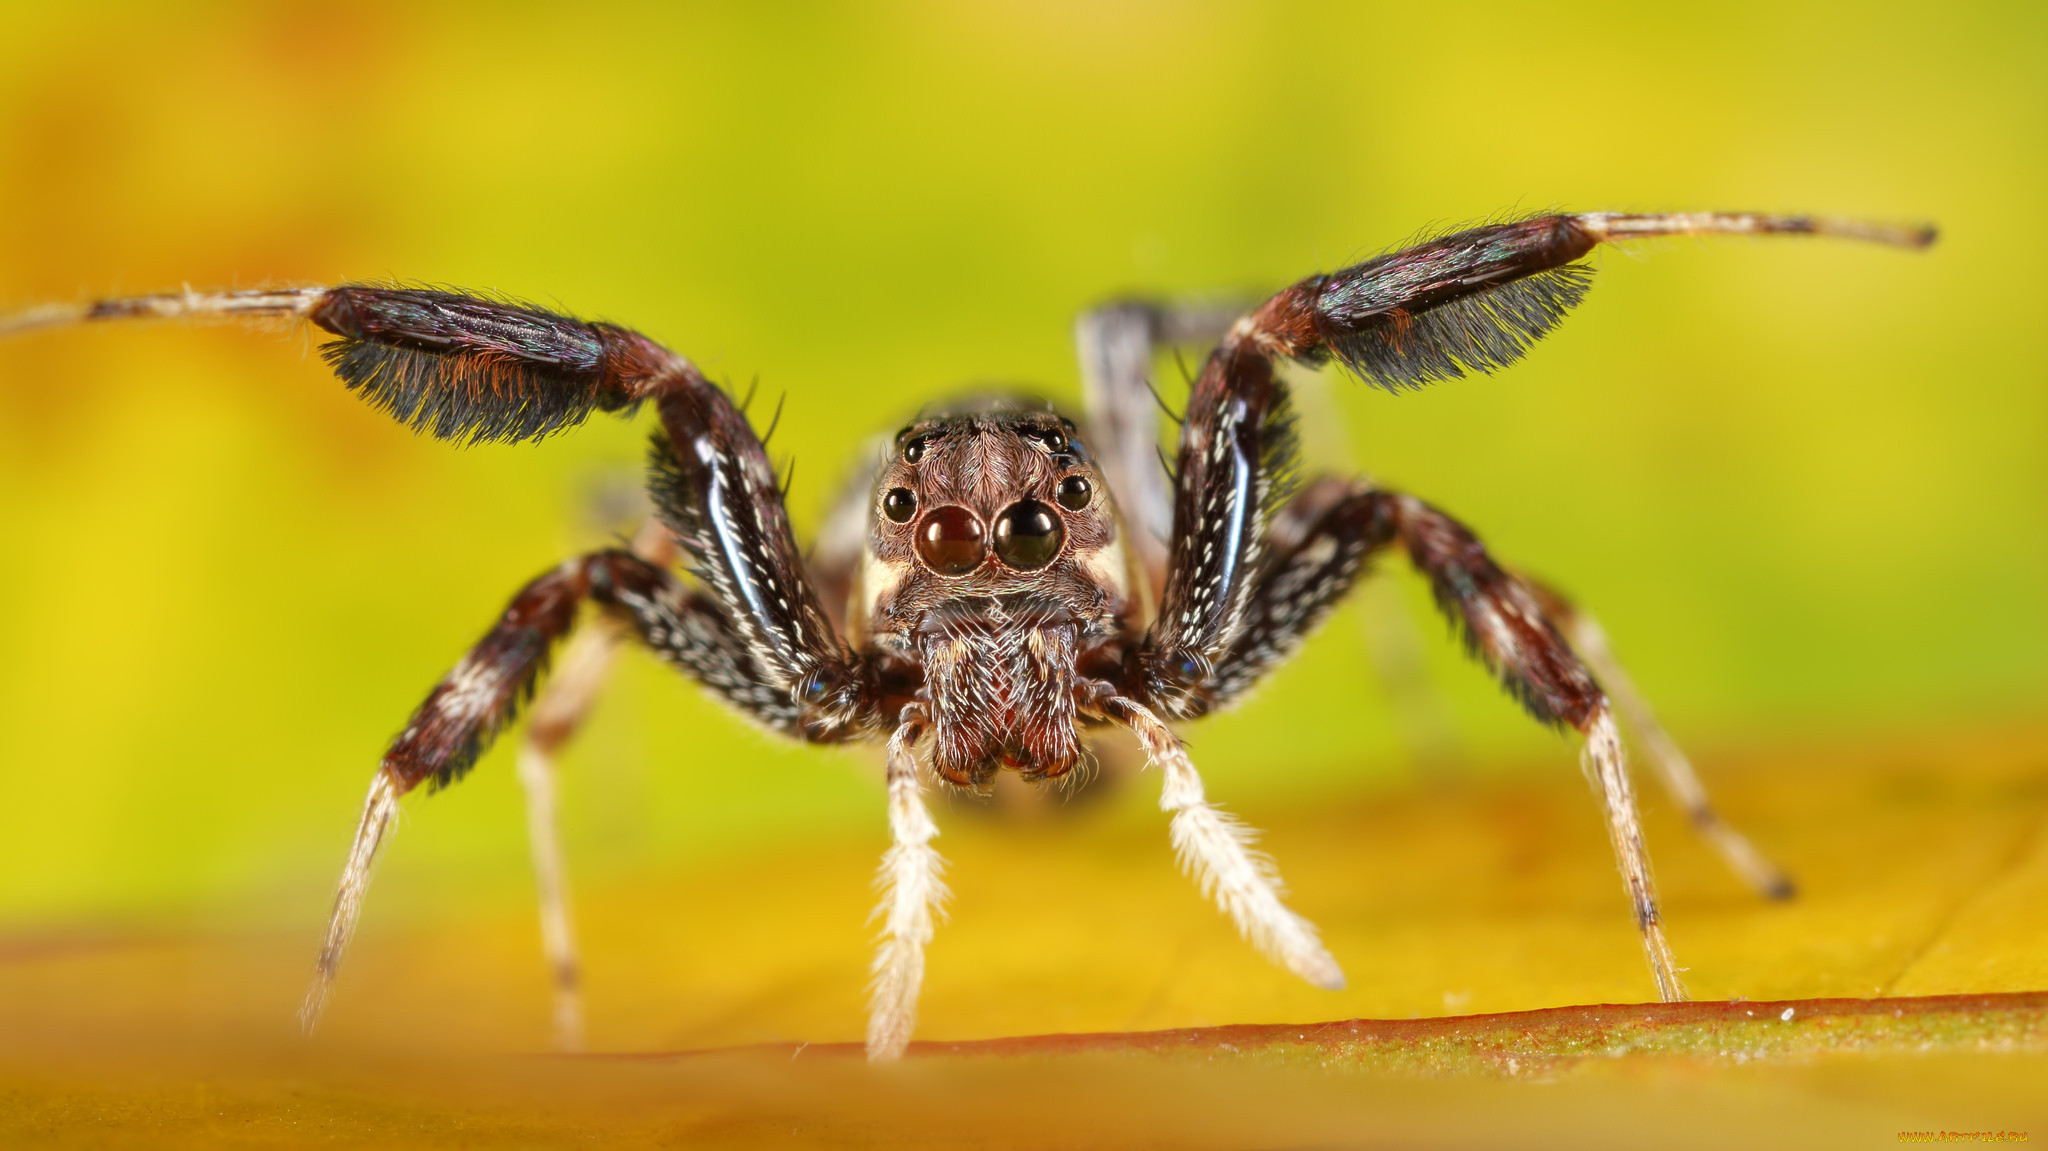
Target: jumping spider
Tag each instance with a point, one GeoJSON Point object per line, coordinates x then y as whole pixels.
{"type": "Point", "coordinates": [1004, 585]}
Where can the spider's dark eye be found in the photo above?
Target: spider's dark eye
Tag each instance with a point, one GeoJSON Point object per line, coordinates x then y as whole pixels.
{"type": "Point", "coordinates": [950, 541]}
{"type": "Point", "coordinates": [1075, 492]}
{"type": "Point", "coordinates": [899, 505]}
{"type": "Point", "coordinates": [1028, 535]}
{"type": "Point", "coordinates": [1054, 439]}
{"type": "Point", "coordinates": [914, 450]}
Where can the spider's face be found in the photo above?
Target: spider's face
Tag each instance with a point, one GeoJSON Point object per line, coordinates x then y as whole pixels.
{"type": "Point", "coordinates": [989, 503]}
{"type": "Point", "coordinates": [994, 555]}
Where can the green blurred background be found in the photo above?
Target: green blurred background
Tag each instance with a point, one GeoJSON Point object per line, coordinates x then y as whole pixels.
{"type": "Point", "coordinates": [1802, 482]}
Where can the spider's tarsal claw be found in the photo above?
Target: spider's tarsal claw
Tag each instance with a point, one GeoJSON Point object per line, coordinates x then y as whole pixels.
{"type": "Point", "coordinates": [380, 810]}
{"type": "Point", "coordinates": [911, 890]}
{"type": "Point", "coordinates": [1217, 852]}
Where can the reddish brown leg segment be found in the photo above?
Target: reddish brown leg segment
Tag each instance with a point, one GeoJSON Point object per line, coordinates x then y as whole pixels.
{"type": "Point", "coordinates": [470, 369]}
{"type": "Point", "coordinates": [466, 710]}
{"type": "Point", "coordinates": [1505, 626]}
{"type": "Point", "coordinates": [1473, 300]}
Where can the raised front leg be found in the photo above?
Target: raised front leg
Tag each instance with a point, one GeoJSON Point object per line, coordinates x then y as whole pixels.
{"type": "Point", "coordinates": [474, 370]}
{"type": "Point", "coordinates": [1473, 300]}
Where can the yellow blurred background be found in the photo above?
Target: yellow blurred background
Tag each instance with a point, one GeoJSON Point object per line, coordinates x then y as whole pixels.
{"type": "Point", "coordinates": [1803, 483]}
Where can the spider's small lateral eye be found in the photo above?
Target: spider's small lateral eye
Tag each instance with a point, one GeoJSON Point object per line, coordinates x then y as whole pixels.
{"type": "Point", "coordinates": [1028, 535]}
{"type": "Point", "coordinates": [914, 450]}
{"type": "Point", "coordinates": [899, 505]}
{"type": "Point", "coordinates": [1075, 492]}
{"type": "Point", "coordinates": [1055, 440]}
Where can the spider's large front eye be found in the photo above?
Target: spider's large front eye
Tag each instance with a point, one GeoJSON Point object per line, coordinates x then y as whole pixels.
{"type": "Point", "coordinates": [899, 505]}
{"type": "Point", "coordinates": [1028, 535]}
{"type": "Point", "coordinates": [950, 541]}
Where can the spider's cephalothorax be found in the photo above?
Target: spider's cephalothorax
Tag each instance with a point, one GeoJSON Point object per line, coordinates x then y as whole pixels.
{"type": "Point", "coordinates": [997, 588]}
{"type": "Point", "coordinates": [995, 570]}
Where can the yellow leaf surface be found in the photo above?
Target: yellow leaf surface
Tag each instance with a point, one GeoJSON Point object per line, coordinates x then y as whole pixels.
{"type": "Point", "coordinates": [1462, 909]}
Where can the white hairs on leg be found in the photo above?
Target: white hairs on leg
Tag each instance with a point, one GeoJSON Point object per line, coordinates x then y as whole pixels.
{"type": "Point", "coordinates": [1216, 851]}
{"type": "Point", "coordinates": [911, 891]}
{"type": "Point", "coordinates": [557, 930]}
{"type": "Point", "coordinates": [380, 810]}
{"type": "Point", "coordinates": [1606, 768]}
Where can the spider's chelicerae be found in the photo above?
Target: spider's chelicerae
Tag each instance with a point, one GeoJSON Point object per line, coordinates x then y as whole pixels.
{"type": "Point", "coordinates": [1009, 577]}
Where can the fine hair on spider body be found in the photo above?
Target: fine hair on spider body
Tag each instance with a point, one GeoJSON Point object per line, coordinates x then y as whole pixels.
{"type": "Point", "coordinates": [1008, 578]}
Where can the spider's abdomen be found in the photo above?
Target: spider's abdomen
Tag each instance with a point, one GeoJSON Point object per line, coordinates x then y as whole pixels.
{"type": "Point", "coordinates": [1000, 678]}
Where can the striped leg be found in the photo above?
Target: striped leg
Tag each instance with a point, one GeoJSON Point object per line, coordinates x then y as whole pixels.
{"type": "Point", "coordinates": [1506, 627]}
{"type": "Point", "coordinates": [1318, 546]}
{"type": "Point", "coordinates": [464, 713]}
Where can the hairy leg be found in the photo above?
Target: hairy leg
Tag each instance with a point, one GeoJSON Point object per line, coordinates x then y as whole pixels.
{"type": "Point", "coordinates": [1474, 300]}
{"type": "Point", "coordinates": [1319, 546]}
{"type": "Point", "coordinates": [912, 890]}
{"type": "Point", "coordinates": [1217, 852]}
{"type": "Point", "coordinates": [467, 709]}
{"type": "Point", "coordinates": [1506, 627]}
{"type": "Point", "coordinates": [1672, 765]}
{"type": "Point", "coordinates": [470, 369]}
{"type": "Point", "coordinates": [475, 370]}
